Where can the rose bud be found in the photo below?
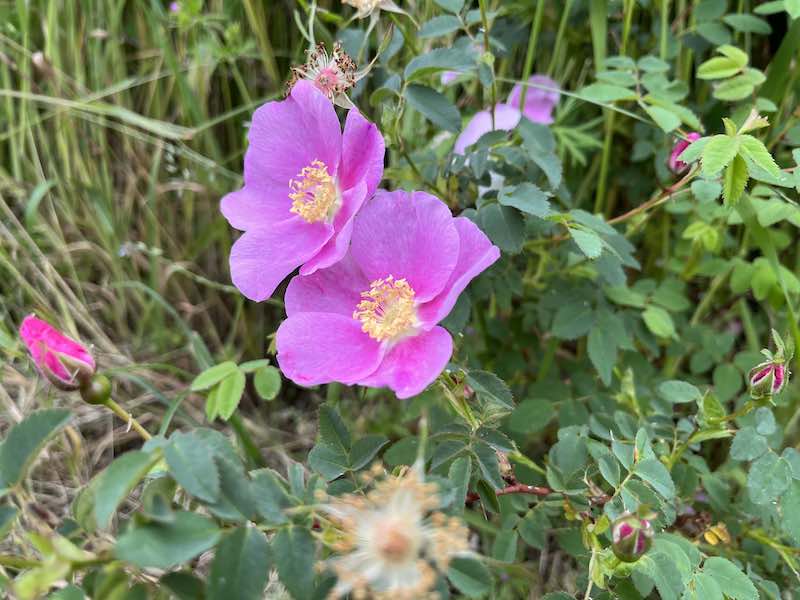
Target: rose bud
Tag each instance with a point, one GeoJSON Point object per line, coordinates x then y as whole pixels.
{"type": "Point", "coordinates": [675, 165]}
{"type": "Point", "coordinates": [66, 363]}
{"type": "Point", "coordinates": [768, 378]}
{"type": "Point", "coordinates": [631, 536]}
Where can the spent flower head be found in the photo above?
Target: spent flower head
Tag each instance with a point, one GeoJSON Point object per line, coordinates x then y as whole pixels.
{"type": "Point", "coordinates": [392, 541]}
{"type": "Point", "coordinates": [333, 74]}
{"type": "Point", "coordinates": [366, 8]}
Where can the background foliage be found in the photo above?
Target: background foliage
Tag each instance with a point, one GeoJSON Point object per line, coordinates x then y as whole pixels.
{"type": "Point", "coordinates": [603, 360]}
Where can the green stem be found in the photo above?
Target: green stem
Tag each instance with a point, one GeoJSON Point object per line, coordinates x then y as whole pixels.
{"type": "Point", "coordinates": [529, 54]}
{"type": "Point", "coordinates": [487, 50]}
{"type": "Point", "coordinates": [128, 418]}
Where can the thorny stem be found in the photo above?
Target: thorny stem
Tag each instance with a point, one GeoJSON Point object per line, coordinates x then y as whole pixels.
{"type": "Point", "coordinates": [128, 418]}
{"type": "Point", "coordinates": [487, 50]}
{"type": "Point", "coordinates": [533, 490]}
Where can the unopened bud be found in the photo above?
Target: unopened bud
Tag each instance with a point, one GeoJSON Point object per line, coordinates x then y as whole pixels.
{"type": "Point", "coordinates": [631, 536]}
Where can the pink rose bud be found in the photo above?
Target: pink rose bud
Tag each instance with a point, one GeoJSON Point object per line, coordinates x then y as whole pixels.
{"type": "Point", "coordinates": [767, 379]}
{"type": "Point", "coordinates": [66, 363]}
{"type": "Point", "coordinates": [631, 537]}
{"type": "Point", "coordinates": [678, 166]}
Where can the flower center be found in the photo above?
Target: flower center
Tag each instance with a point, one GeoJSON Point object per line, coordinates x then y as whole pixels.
{"type": "Point", "coordinates": [396, 545]}
{"type": "Point", "coordinates": [314, 195]}
{"type": "Point", "coordinates": [386, 310]}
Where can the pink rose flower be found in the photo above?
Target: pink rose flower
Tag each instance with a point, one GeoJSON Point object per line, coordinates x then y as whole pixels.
{"type": "Point", "coordinates": [675, 165]}
{"type": "Point", "coordinates": [62, 360]}
{"type": "Point", "coordinates": [372, 318]}
{"type": "Point", "coordinates": [539, 103]}
{"type": "Point", "coordinates": [304, 181]}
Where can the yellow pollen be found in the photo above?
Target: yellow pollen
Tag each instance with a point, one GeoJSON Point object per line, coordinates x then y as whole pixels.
{"type": "Point", "coordinates": [386, 310]}
{"type": "Point", "coordinates": [313, 193]}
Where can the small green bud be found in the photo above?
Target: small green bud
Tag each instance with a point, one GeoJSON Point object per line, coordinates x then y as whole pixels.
{"type": "Point", "coordinates": [97, 390]}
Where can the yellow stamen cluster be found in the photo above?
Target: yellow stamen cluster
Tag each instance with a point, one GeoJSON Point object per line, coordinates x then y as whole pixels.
{"type": "Point", "coordinates": [313, 193]}
{"type": "Point", "coordinates": [386, 310]}
{"type": "Point", "coordinates": [392, 542]}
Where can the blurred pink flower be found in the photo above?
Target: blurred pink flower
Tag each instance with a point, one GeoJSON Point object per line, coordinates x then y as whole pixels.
{"type": "Point", "coordinates": [539, 103]}
{"type": "Point", "coordinates": [506, 117]}
{"type": "Point", "coordinates": [174, 7]}
{"type": "Point", "coordinates": [675, 165]}
{"type": "Point", "coordinates": [372, 318]}
{"type": "Point", "coordinates": [62, 360]}
{"type": "Point", "coordinates": [304, 181]}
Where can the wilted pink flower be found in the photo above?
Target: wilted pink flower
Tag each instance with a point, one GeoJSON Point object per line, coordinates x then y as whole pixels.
{"type": "Point", "coordinates": [539, 102]}
{"type": "Point", "coordinates": [506, 118]}
{"type": "Point", "coordinates": [372, 318]}
{"type": "Point", "coordinates": [304, 181]}
{"type": "Point", "coordinates": [65, 362]}
{"type": "Point", "coordinates": [675, 165]}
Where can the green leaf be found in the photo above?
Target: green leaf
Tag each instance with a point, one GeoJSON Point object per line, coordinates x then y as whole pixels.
{"type": "Point", "coordinates": [747, 23]}
{"type": "Point", "coordinates": [434, 106]}
{"type": "Point", "coordinates": [183, 585]}
{"type": "Point", "coordinates": [718, 153]}
{"type": "Point", "coordinates": [453, 6]}
{"type": "Point", "coordinates": [470, 577]}
{"type": "Point", "coordinates": [589, 242]}
{"type": "Point", "coordinates": [663, 572]}
{"type": "Point", "coordinates": [702, 587]}
{"type": "Point", "coordinates": [241, 566]}
{"type": "Point", "coordinates": [25, 441]}
{"type": "Point", "coordinates": [254, 365]}
{"type": "Point", "coordinates": [706, 191]}
{"type": "Point", "coordinates": [267, 382]}
{"type": "Point", "coordinates": [790, 516]}
{"type": "Point", "coordinates": [602, 350]}
{"type": "Point", "coordinates": [116, 482]}
{"type": "Point", "coordinates": [505, 544]}
{"type": "Point", "coordinates": [459, 474]}
{"type": "Point", "coordinates": [440, 25]}
{"type": "Point", "coordinates": [527, 197]}
{"type": "Point", "coordinates": [294, 554]}
{"type": "Point", "coordinates": [719, 67]}
{"type": "Point", "coordinates": [730, 579]}
{"type": "Point", "coordinates": [754, 150]}
{"type": "Point", "coordinates": [679, 392]}
{"type": "Point", "coordinates": [229, 393]}
{"type": "Point", "coordinates": [437, 60]}
{"type": "Point", "coordinates": [735, 54]}
{"type": "Point", "coordinates": [364, 450]}
{"type": "Point", "coordinates": [166, 545]}
{"type": "Point", "coordinates": [735, 181]}
{"type": "Point", "coordinates": [212, 376]}
{"type": "Point", "coordinates": [504, 226]}
{"type": "Point", "coordinates": [191, 463]}
{"type": "Point", "coordinates": [653, 471]}
{"type": "Point", "coordinates": [604, 93]}
{"type": "Point", "coordinates": [793, 8]}
{"type": "Point", "coordinates": [659, 321]}
{"type": "Point", "coordinates": [668, 121]}
{"type": "Point", "coordinates": [330, 456]}
{"type": "Point", "coordinates": [491, 388]}
{"type": "Point", "coordinates": [734, 89]}
{"type": "Point", "coordinates": [486, 457]}
{"type": "Point", "coordinates": [748, 445]}
{"type": "Point", "coordinates": [768, 478]}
